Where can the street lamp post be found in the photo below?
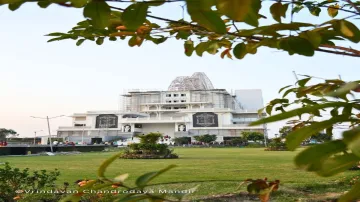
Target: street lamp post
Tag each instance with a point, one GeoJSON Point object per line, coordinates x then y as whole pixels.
{"type": "Point", "coordinates": [82, 135]}
{"type": "Point", "coordinates": [35, 134]}
{"type": "Point", "coordinates": [48, 123]}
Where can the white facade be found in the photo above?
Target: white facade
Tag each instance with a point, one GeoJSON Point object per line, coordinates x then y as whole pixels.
{"type": "Point", "coordinates": [188, 109]}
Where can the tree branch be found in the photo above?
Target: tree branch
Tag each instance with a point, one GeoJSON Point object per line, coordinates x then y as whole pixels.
{"type": "Point", "coordinates": [337, 52]}
{"type": "Point", "coordinates": [353, 5]}
{"type": "Point", "coordinates": [356, 52]}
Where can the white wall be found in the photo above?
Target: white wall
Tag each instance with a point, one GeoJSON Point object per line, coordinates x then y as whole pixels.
{"type": "Point", "coordinates": [224, 119]}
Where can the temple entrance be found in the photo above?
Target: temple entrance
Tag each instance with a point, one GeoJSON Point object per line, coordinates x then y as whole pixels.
{"type": "Point", "coordinates": [96, 140]}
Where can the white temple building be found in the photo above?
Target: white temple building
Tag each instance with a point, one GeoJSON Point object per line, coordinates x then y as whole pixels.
{"type": "Point", "coordinates": [191, 106]}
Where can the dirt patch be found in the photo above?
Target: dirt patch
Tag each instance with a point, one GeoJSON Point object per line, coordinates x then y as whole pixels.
{"type": "Point", "coordinates": [330, 196]}
{"type": "Point", "coordinates": [243, 196]}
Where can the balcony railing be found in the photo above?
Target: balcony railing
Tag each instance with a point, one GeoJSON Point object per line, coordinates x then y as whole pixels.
{"type": "Point", "coordinates": [74, 127]}
{"type": "Point", "coordinates": [153, 119]}
{"type": "Point", "coordinates": [243, 126]}
{"type": "Point", "coordinates": [155, 110]}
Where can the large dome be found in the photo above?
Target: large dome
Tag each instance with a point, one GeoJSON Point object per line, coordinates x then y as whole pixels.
{"type": "Point", "coordinates": [198, 81]}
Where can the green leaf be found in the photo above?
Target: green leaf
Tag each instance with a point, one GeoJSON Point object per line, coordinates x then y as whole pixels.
{"type": "Point", "coordinates": [303, 82]}
{"type": "Point", "coordinates": [352, 195]}
{"type": "Point", "coordinates": [333, 10]}
{"type": "Point", "coordinates": [135, 41]}
{"type": "Point", "coordinates": [156, 3]}
{"type": "Point", "coordinates": [201, 48]}
{"type": "Point", "coordinates": [313, 37]}
{"type": "Point", "coordinates": [345, 89]}
{"type": "Point", "coordinates": [278, 10]}
{"type": "Point", "coordinates": [43, 4]}
{"type": "Point", "coordinates": [312, 158]}
{"type": "Point", "coordinates": [189, 47]}
{"type": "Point", "coordinates": [283, 88]}
{"type": "Point", "coordinates": [314, 10]}
{"type": "Point", "coordinates": [100, 40]}
{"type": "Point", "coordinates": [80, 41]}
{"type": "Point", "coordinates": [113, 38]}
{"type": "Point", "coordinates": [9, 1]}
{"type": "Point", "coordinates": [55, 34]}
{"type": "Point", "coordinates": [143, 180]}
{"type": "Point", "coordinates": [160, 40]}
{"type": "Point", "coordinates": [338, 164]}
{"type": "Point", "coordinates": [294, 139]}
{"type": "Point", "coordinates": [289, 91]}
{"type": "Point", "coordinates": [201, 13]}
{"type": "Point", "coordinates": [329, 131]}
{"type": "Point", "coordinates": [183, 34]}
{"type": "Point", "coordinates": [278, 101]}
{"type": "Point", "coordinates": [352, 139]}
{"type": "Point", "coordinates": [132, 41]}
{"type": "Point", "coordinates": [105, 164]}
{"type": "Point", "coordinates": [297, 9]}
{"type": "Point", "coordinates": [242, 11]}
{"type": "Point", "coordinates": [78, 3]}
{"type": "Point", "coordinates": [347, 30]}
{"type": "Point", "coordinates": [99, 13]}
{"type": "Point", "coordinates": [240, 51]}
{"type": "Point", "coordinates": [334, 112]}
{"type": "Point", "coordinates": [347, 110]}
{"type": "Point", "coordinates": [15, 6]}
{"type": "Point", "coordinates": [213, 47]}
{"type": "Point", "coordinates": [268, 109]}
{"type": "Point", "coordinates": [134, 15]}
{"type": "Point", "coordinates": [297, 45]}
{"type": "Point", "coordinates": [65, 36]}
{"type": "Point", "coordinates": [296, 112]}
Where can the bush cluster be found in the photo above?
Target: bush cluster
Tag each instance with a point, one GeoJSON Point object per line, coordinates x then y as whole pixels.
{"type": "Point", "coordinates": [276, 145]}
{"type": "Point", "coordinates": [14, 181]}
{"type": "Point", "coordinates": [148, 148]}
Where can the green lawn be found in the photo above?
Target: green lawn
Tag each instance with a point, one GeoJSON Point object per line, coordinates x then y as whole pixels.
{"type": "Point", "coordinates": [216, 170]}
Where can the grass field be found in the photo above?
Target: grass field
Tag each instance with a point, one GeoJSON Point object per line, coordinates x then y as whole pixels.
{"type": "Point", "coordinates": [216, 170]}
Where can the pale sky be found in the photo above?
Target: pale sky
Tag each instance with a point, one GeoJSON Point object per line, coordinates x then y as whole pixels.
{"type": "Point", "coordinates": [59, 78]}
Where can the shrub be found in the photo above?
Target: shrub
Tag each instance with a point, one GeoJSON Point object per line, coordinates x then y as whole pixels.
{"type": "Point", "coordinates": [206, 138]}
{"type": "Point", "coordinates": [182, 140]}
{"type": "Point", "coordinates": [254, 145]}
{"type": "Point", "coordinates": [148, 148]}
{"type": "Point", "coordinates": [276, 145]}
{"type": "Point", "coordinates": [151, 138]}
{"type": "Point", "coordinates": [14, 180]}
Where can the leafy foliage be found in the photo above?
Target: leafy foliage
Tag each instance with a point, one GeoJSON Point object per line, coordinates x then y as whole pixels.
{"type": "Point", "coordinates": [216, 26]}
{"type": "Point", "coordinates": [238, 141]}
{"type": "Point", "coordinates": [182, 140]}
{"type": "Point", "coordinates": [136, 193]}
{"type": "Point", "coordinates": [151, 138]}
{"type": "Point", "coordinates": [13, 181]}
{"type": "Point", "coordinates": [336, 99]}
{"type": "Point", "coordinates": [148, 148]}
{"type": "Point", "coordinates": [321, 137]}
{"type": "Point", "coordinates": [261, 187]}
{"type": "Point", "coordinates": [4, 133]}
{"type": "Point", "coordinates": [276, 145]}
{"type": "Point", "coordinates": [253, 136]}
{"type": "Point", "coordinates": [205, 138]}
{"type": "Point", "coordinates": [284, 131]}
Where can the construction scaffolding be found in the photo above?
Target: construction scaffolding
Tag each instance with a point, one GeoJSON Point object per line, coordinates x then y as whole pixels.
{"type": "Point", "coordinates": [197, 88]}
{"type": "Point", "coordinates": [198, 81]}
